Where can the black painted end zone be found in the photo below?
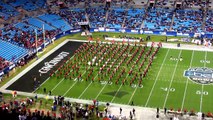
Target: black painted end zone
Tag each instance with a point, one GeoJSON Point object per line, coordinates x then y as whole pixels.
{"type": "Point", "coordinates": [26, 82]}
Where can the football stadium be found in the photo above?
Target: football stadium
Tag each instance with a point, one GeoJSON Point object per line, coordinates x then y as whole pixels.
{"type": "Point", "coordinates": [106, 59]}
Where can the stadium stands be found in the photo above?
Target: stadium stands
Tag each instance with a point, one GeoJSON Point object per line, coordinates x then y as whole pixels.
{"type": "Point", "coordinates": [16, 109]}
{"type": "Point", "coordinates": [25, 27]}
{"type": "Point", "coordinates": [7, 9]}
{"type": "Point", "coordinates": [56, 21]}
{"type": "Point", "coordinates": [194, 3]}
{"type": "Point", "coordinates": [97, 1]}
{"type": "Point", "coordinates": [134, 18]}
{"type": "Point", "coordinates": [38, 23]}
{"type": "Point", "coordinates": [165, 3]}
{"type": "Point", "coordinates": [27, 5]}
{"type": "Point", "coordinates": [73, 16]}
{"type": "Point", "coordinates": [188, 21]}
{"type": "Point", "coordinates": [4, 16]}
{"type": "Point", "coordinates": [97, 16]}
{"type": "Point", "coordinates": [14, 52]}
{"type": "Point", "coordinates": [23, 34]}
{"type": "Point", "coordinates": [3, 63]}
{"type": "Point", "coordinates": [39, 3]}
{"type": "Point", "coordinates": [209, 22]}
{"type": "Point", "coordinates": [116, 18]}
{"type": "Point", "coordinates": [158, 19]}
{"type": "Point", "coordinates": [17, 39]}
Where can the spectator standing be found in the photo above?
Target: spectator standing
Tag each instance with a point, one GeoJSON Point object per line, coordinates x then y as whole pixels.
{"type": "Point", "coordinates": [133, 111]}
{"type": "Point", "coordinates": [120, 110]}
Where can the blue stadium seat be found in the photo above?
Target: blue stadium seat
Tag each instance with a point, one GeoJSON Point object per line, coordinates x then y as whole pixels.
{"type": "Point", "coordinates": [56, 21]}
{"type": "Point", "coordinates": [26, 4]}
{"type": "Point", "coordinates": [8, 9]}
{"type": "Point", "coordinates": [187, 21]}
{"type": "Point", "coordinates": [11, 52]}
{"type": "Point", "coordinates": [39, 24]}
{"type": "Point", "coordinates": [158, 19]}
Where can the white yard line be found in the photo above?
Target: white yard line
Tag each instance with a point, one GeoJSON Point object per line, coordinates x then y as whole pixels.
{"type": "Point", "coordinates": [118, 90]}
{"type": "Point", "coordinates": [41, 84]}
{"type": "Point", "coordinates": [173, 75]}
{"type": "Point", "coordinates": [186, 87]}
{"type": "Point", "coordinates": [147, 101]}
{"type": "Point", "coordinates": [87, 88]}
{"type": "Point", "coordinates": [100, 91]}
{"type": "Point", "coordinates": [57, 85]}
{"type": "Point", "coordinates": [132, 95]}
{"type": "Point", "coordinates": [73, 85]}
{"type": "Point", "coordinates": [70, 88]}
{"type": "Point", "coordinates": [59, 82]}
{"type": "Point", "coordinates": [201, 97]}
{"type": "Point", "coordinates": [116, 93]}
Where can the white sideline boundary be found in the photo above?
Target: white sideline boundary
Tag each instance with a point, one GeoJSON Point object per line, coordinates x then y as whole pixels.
{"type": "Point", "coordinates": [149, 113]}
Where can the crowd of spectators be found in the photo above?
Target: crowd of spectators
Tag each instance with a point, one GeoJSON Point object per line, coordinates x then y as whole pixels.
{"type": "Point", "coordinates": [97, 16]}
{"type": "Point", "coordinates": [8, 10]}
{"type": "Point", "coordinates": [209, 22]}
{"type": "Point", "coordinates": [73, 16]}
{"type": "Point", "coordinates": [188, 21]}
{"type": "Point", "coordinates": [3, 63]}
{"type": "Point", "coordinates": [163, 3]}
{"type": "Point", "coordinates": [25, 38]}
{"type": "Point", "coordinates": [134, 18]}
{"type": "Point", "coordinates": [116, 18]}
{"type": "Point", "coordinates": [28, 109]}
{"type": "Point", "coordinates": [195, 3]}
{"type": "Point", "coordinates": [158, 19]}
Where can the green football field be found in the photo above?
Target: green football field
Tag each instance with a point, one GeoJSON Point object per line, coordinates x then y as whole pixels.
{"type": "Point", "coordinates": [163, 86]}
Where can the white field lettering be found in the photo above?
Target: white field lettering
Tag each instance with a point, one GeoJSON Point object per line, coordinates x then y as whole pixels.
{"type": "Point", "coordinates": [49, 65]}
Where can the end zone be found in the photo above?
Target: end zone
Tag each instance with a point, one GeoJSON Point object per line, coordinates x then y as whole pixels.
{"type": "Point", "coordinates": [24, 81]}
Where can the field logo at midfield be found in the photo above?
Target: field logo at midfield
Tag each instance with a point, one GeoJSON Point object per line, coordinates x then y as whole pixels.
{"type": "Point", "coordinates": [200, 75]}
